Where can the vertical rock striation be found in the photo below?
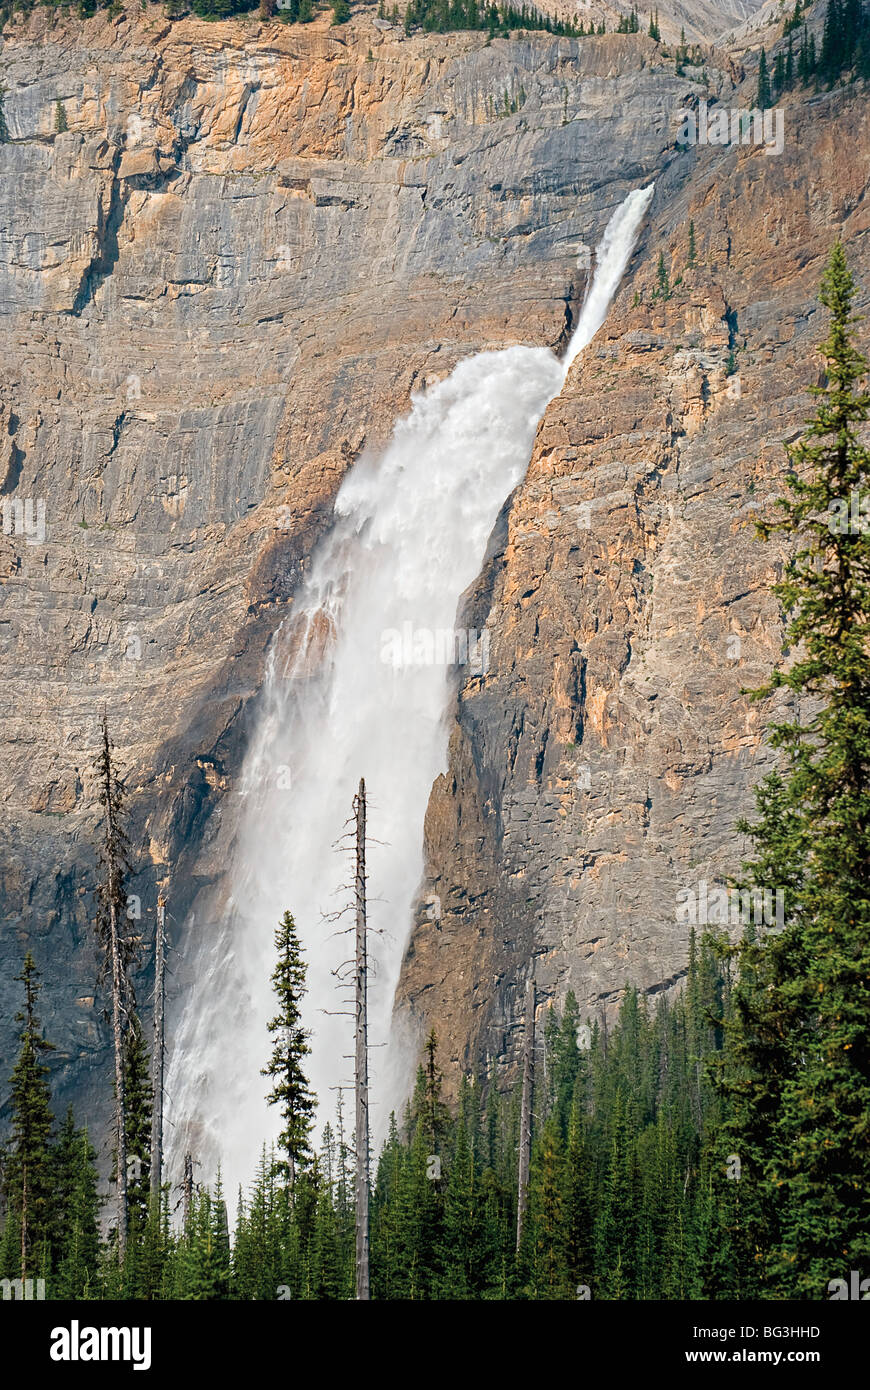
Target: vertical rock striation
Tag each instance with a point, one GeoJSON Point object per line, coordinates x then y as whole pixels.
{"type": "Point", "coordinates": [218, 284]}
{"type": "Point", "coordinates": [599, 766]}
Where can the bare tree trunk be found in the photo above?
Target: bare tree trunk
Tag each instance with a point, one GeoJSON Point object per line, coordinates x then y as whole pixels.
{"type": "Point", "coordinates": [120, 1098]}
{"type": "Point", "coordinates": [362, 1055]}
{"type": "Point", "coordinates": [24, 1222]}
{"type": "Point", "coordinates": [526, 1110]}
{"type": "Point", "coordinates": [158, 1056]}
{"type": "Point", "coordinates": [120, 982]}
{"type": "Point", "coordinates": [188, 1189]}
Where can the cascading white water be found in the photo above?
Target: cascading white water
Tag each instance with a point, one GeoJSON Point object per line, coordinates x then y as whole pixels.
{"type": "Point", "coordinates": [357, 685]}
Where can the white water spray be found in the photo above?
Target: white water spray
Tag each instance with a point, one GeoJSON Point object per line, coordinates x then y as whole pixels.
{"type": "Point", "coordinates": [357, 685]}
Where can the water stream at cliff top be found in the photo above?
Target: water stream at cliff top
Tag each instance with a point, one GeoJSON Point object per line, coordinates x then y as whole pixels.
{"type": "Point", "coordinates": [356, 686]}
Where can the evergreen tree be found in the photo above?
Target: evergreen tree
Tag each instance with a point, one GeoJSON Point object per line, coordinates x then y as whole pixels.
{"type": "Point", "coordinates": [802, 1047]}
{"type": "Point", "coordinates": [290, 1090]}
{"type": "Point", "coordinates": [545, 1234]}
{"type": "Point", "coordinates": [139, 1095]}
{"type": "Point", "coordinates": [76, 1240]}
{"type": "Point", "coordinates": [805, 65]}
{"type": "Point", "coordinates": [29, 1168]}
{"type": "Point", "coordinates": [762, 94]}
{"type": "Point", "coordinates": [579, 1248]}
{"type": "Point", "coordinates": [663, 286]}
{"type": "Point", "coordinates": [789, 65]}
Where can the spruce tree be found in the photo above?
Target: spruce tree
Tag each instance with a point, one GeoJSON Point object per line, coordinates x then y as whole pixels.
{"type": "Point", "coordinates": [77, 1203]}
{"type": "Point", "coordinates": [762, 94]}
{"type": "Point", "coordinates": [138, 1097]}
{"type": "Point", "coordinates": [434, 1116]}
{"type": "Point", "coordinates": [29, 1167]}
{"type": "Point", "coordinates": [544, 1246]}
{"type": "Point", "coordinates": [663, 286]}
{"type": "Point", "coordinates": [290, 1090]}
{"type": "Point", "coordinates": [802, 1048]}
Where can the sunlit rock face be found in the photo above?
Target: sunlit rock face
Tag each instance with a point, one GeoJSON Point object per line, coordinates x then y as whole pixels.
{"type": "Point", "coordinates": [597, 771]}
{"type": "Point", "coordinates": [218, 285]}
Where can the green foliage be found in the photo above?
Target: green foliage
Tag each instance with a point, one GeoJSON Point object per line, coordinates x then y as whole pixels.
{"type": "Point", "coordinates": [28, 1166]}
{"type": "Point", "coordinates": [762, 91]}
{"type": "Point", "coordinates": [846, 32]}
{"type": "Point", "coordinates": [629, 24]}
{"type": "Point", "coordinates": [138, 1097]}
{"type": "Point", "coordinates": [60, 121]}
{"type": "Point", "coordinates": [663, 284]}
{"type": "Point", "coordinates": [796, 1068]}
{"type": "Point", "coordinates": [845, 47]}
{"type": "Point", "coordinates": [50, 1202]}
{"type": "Point", "coordinates": [442, 16]}
{"type": "Point", "coordinates": [77, 1210]}
{"type": "Point", "coordinates": [222, 9]}
{"type": "Point", "coordinates": [290, 1089]}
{"type": "Point", "coordinates": [431, 16]}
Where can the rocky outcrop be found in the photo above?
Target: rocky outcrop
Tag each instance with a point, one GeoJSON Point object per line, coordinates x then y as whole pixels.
{"type": "Point", "coordinates": [217, 283]}
{"type": "Point", "coordinates": [599, 766]}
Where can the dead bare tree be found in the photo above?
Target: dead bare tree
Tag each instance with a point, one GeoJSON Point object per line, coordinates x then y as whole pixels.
{"type": "Point", "coordinates": [354, 974]}
{"type": "Point", "coordinates": [361, 1068]}
{"type": "Point", "coordinates": [187, 1189]}
{"type": "Point", "coordinates": [526, 1110]}
{"type": "Point", "coordinates": [118, 950]}
{"type": "Point", "coordinates": [158, 1054]}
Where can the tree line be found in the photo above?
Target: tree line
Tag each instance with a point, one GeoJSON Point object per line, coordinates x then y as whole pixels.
{"type": "Point", "coordinates": [844, 51]}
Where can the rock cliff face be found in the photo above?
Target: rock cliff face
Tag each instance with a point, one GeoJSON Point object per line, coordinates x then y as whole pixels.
{"type": "Point", "coordinates": [221, 281]}
{"type": "Point", "coordinates": [217, 283]}
{"type": "Point", "coordinates": [600, 765]}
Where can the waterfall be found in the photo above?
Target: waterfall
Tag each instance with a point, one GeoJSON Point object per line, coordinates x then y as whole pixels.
{"type": "Point", "coordinates": [357, 684]}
